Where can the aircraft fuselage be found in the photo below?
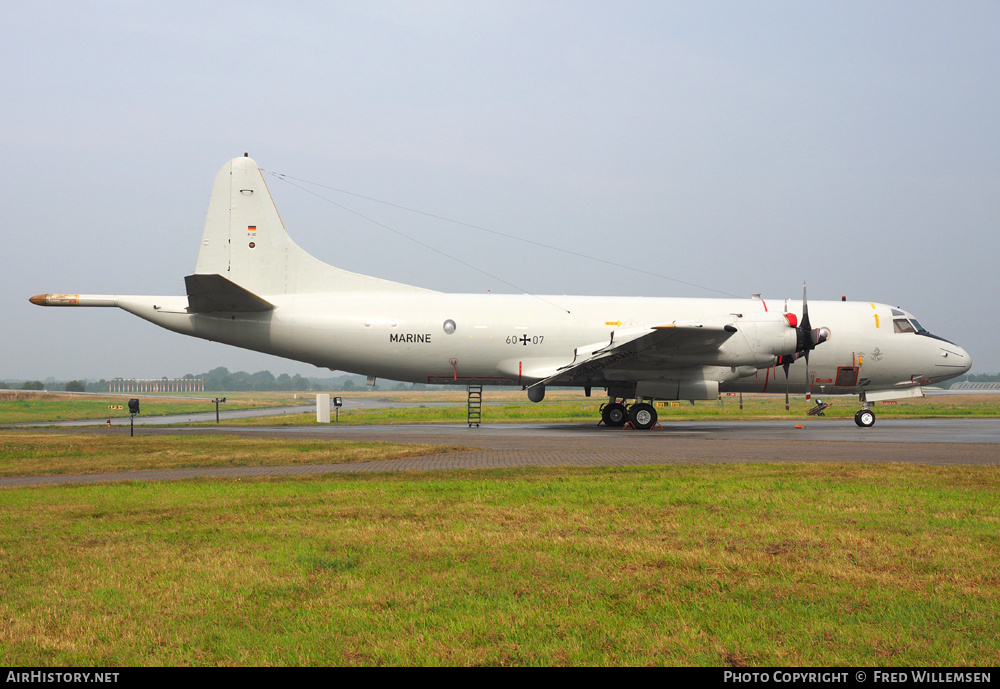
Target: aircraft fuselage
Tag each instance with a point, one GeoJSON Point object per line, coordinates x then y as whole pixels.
{"type": "Point", "coordinates": [254, 288]}
{"type": "Point", "coordinates": [520, 339]}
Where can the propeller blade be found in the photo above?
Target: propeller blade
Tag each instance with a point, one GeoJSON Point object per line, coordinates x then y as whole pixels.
{"type": "Point", "coordinates": [806, 340]}
{"type": "Point", "coordinates": [805, 309]}
{"type": "Point", "coordinates": [786, 385]}
{"type": "Point", "coordinates": [809, 390]}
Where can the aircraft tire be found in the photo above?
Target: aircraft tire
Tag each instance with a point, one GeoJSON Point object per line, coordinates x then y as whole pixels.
{"type": "Point", "coordinates": [614, 415]}
{"type": "Point", "coordinates": [642, 416]}
{"type": "Point", "coordinates": [865, 418]}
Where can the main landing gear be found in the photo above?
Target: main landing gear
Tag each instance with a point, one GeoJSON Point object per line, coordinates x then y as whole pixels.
{"type": "Point", "coordinates": [614, 414]}
{"type": "Point", "coordinates": [641, 415]}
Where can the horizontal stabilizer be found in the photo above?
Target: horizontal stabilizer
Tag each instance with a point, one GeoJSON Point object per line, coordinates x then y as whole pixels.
{"type": "Point", "coordinates": [208, 293]}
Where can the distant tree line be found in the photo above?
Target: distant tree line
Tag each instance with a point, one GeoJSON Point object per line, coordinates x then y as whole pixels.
{"type": "Point", "coordinates": [221, 379]}
{"type": "Point", "coordinates": [57, 385]}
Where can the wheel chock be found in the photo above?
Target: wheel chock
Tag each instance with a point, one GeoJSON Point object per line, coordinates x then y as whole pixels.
{"type": "Point", "coordinates": [630, 425]}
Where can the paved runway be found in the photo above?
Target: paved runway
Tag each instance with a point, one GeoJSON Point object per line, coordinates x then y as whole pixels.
{"type": "Point", "coordinates": [937, 441]}
{"type": "Point", "coordinates": [886, 431]}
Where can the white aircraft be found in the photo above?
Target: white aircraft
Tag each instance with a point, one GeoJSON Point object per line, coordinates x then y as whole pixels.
{"type": "Point", "coordinates": [253, 287]}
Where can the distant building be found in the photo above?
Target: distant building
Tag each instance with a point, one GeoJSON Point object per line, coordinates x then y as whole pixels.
{"type": "Point", "coordinates": [156, 385]}
{"type": "Point", "coordinates": [966, 385]}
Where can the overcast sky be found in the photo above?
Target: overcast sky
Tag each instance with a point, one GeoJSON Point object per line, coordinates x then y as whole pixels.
{"type": "Point", "coordinates": [740, 146]}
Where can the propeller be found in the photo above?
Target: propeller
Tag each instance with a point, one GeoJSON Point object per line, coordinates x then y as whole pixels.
{"type": "Point", "coordinates": [806, 340]}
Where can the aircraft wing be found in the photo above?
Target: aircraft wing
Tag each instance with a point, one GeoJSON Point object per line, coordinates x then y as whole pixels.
{"type": "Point", "coordinates": [644, 348]}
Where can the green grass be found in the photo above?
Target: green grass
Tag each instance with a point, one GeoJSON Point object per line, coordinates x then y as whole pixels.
{"type": "Point", "coordinates": [507, 413]}
{"type": "Point", "coordinates": [20, 407]}
{"type": "Point", "coordinates": [818, 564]}
{"type": "Point", "coordinates": [561, 410]}
{"type": "Point", "coordinates": [24, 453]}
{"type": "Point", "coordinates": [503, 406]}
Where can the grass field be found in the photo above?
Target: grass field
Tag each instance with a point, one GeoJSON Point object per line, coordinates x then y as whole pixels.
{"type": "Point", "coordinates": [502, 406]}
{"type": "Point", "coordinates": [26, 407]}
{"type": "Point", "coordinates": [817, 564]}
{"type": "Point", "coordinates": [24, 453]}
{"type": "Point", "coordinates": [571, 407]}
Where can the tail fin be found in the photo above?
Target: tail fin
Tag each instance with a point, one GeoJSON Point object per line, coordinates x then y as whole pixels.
{"type": "Point", "coordinates": [246, 243]}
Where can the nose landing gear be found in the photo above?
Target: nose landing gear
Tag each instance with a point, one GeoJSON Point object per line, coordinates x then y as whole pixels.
{"type": "Point", "coordinates": [866, 417]}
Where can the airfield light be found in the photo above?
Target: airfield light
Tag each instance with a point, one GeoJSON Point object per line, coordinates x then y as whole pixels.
{"type": "Point", "coordinates": [217, 400]}
{"type": "Point", "coordinates": [133, 409]}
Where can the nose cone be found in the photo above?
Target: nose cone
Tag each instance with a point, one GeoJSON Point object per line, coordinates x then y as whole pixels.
{"type": "Point", "coordinates": [966, 358]}
{"type": "Point", "coordinates": [951, 361]}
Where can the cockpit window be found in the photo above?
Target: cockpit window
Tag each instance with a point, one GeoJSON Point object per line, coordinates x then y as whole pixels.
{"type": "Point", "coordinates": [904, 323]}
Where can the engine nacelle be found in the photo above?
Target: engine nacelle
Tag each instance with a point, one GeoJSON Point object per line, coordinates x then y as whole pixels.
{"type": "Point", "coordinates": [776, 337]}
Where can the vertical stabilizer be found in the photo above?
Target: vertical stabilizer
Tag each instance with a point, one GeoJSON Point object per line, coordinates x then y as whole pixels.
{"type": "Point", "coordinates": [246, 243]}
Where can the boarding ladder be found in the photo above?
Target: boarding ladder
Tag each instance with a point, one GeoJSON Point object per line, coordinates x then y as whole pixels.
{"type": "Point", "coordinates": [475, 402]}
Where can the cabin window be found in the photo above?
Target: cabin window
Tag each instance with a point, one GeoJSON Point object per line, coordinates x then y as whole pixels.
{"type": "Point", "coordinates": [901, 325]}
